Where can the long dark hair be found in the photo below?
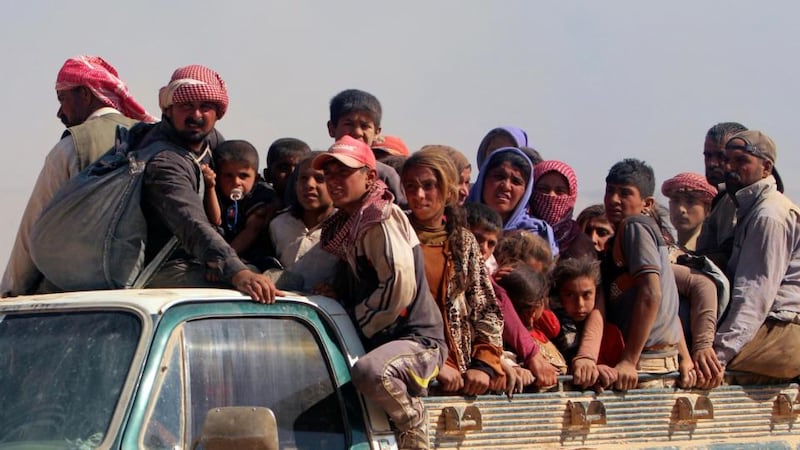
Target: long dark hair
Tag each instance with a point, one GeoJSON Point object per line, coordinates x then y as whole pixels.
{"type": "Point", "coordinates": [436, 159]}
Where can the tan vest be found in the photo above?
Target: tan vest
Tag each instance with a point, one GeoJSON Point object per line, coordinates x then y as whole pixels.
{"type": "Point", "coordinates": [95, 137]}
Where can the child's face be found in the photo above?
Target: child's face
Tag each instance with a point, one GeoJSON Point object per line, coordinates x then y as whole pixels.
{"type": "Point", "coordinates": [624, 200]}
{"type": "Point", "coordinates": [487, 240]}
{"type": "Point", "coordinates": [577, 297]}
{"type": "Point", "coordinates": [312, 193]}
{"type": "Point", "coordinates": [552, 183]}
{"type": "Point", "coordinates": [235, 174]}
{"type": "Point", "coordinates": [357, 124]}
{"type": "Point", "coordinates": [600, 230]}
{"type": "Point", "coordinates": [346, 185]}
{"type": "Point", "coordinates": [503, 188]}
{"type": "Point", "coordinates": [279, 171]}
{"type": "Point", "coordinates": [687, 212]}
{"type": "Point", "coordinates": [425, 200]}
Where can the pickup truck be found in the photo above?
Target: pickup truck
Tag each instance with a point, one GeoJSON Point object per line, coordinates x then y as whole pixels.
{"type": "Point", "coordinates": [207, 368]}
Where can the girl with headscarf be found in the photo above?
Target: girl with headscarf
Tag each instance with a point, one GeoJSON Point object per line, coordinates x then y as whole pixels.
{"type": "Point", "coordinates": [505, 184]}
{"type": "Point", "coordinates": [555, 192]}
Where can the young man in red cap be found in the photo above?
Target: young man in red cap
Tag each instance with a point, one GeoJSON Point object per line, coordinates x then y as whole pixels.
{"type": "Point", "coordinates": [761, 331]}
{"type": "Point", "coordinates": [386, 292]}
{"type": "Point", "coordinates": [93, 102]}
{"type": "Point", "coordinates": [191, 103]}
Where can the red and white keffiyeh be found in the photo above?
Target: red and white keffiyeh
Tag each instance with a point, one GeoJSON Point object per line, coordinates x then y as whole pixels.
{"type": "Point", "coordinates": [194, 83]}
{"type": "Point", "coordinates": [690, 183]}
{"type": "Point", "coordinates": [553, 209]}
{"type": "Point", "coordinates": [100, 77]}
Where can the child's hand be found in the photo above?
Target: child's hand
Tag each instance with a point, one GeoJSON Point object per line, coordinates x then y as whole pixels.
{"type": "Point", "coordinates": [688, 375]}
{"type": "Point", "coordinates": [476, 382]}
{"type": "Point", "coordinates": [628, 377]}
{"type": "Point", "coordinates": [450, 379]}
{"type": "Point", "coordinates": [545, 373]}
{"type": "Point", "coordinates": [209, 177]}
{"type": "Point", "coordinates": [584, 372]}
{"type": "Point", "coordinates": [608, 376]}
{"type": "Point", "coordinates": [524, 375]}
{"type": "Point", "coordinates": [709, 369]}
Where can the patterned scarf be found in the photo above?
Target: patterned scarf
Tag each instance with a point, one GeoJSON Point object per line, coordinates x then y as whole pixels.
{"type": "Point", "coordinates": [556, 210]}
{"type": "Point", "coordinates": [341, 231]}
{"type": "Point", "coordinates": [100, 77]}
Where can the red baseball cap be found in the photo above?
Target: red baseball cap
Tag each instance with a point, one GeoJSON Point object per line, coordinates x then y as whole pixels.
{"type": "Point", "coordinates": [392, 145]}
{"type": "Point", "coordinates": [349, 151]}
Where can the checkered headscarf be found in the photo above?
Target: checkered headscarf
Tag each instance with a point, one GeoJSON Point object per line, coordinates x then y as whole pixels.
{"type": "Point", "coordinates": [554, 209]}
{"type": "Point", "coordinates": [194, 83]}
{"type": "Point", "coordinates": [689, 182]}
{"type": "Point", "coordinates": [100, 77]}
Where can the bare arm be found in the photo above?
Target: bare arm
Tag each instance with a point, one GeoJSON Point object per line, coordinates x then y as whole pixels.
{"type": "Point", "coordinates": [643, 316]}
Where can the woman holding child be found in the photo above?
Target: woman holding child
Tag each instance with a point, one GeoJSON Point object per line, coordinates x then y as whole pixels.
{"type": "Point", "coordinates": [455, 273]}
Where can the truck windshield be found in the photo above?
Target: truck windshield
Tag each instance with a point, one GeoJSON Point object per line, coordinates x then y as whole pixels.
{"type": "Point", "coordinates": [61, 375]}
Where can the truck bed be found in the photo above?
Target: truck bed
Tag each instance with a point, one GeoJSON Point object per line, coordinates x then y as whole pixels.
{"type": "Point", "coordinates": [725, 417]}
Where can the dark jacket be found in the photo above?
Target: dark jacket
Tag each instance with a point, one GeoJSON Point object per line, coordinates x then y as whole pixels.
{"type": "Point", "coordinates": [172, 206]}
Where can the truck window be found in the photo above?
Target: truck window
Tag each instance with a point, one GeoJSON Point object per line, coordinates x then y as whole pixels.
{"type": "Point", "coordinates": [61, 375]}
{"type": "Point", "coordinates": [270, 362]}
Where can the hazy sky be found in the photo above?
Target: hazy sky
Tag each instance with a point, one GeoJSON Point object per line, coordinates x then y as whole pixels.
{"type": "Point", "coordinates": [592, 82]}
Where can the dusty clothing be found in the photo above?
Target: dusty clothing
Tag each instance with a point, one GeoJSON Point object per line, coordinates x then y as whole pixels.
{"type": "Point", "coordinates": [395, 375]}
{"type": "Point", "coordinates": [172, 206]}
{"type": "Point", "coordinates": [764, 268]}
{"type": "Point", "coordinates": [298, 250]}
{"type": "Point", "coordinates": [638, 248]}
{"type": "Point", "coordinates": [388, 298]}
{"type": "Point", "coordinates": [716, 236]}
{"type": "Point", "coordinates": [471, 316]}
{"type": "Point", "coordinates": [772, 352]}
{"type": "Point", "coordinates": [79, 146]}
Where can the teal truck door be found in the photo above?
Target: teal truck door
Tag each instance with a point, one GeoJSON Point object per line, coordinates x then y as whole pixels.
{"type": "Point", "coordinates": [221, 355]}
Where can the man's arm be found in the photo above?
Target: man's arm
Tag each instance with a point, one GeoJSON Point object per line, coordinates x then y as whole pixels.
{"type": "Point", "coordinates": [21, 276]}
{"type": "Point", "coordinates": [763, 259]}
{"type": "Point", "coordinates": [642, 318]}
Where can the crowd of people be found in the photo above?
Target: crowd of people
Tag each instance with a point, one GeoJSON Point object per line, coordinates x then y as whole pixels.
{"type": "Point", "coordinates": [491, 286]}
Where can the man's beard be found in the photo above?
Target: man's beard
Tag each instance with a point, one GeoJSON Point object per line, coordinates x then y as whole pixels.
{"type": "Point", "coordinates": [193, 136]}
{"type": "Point", "coordinates": [733, 182]}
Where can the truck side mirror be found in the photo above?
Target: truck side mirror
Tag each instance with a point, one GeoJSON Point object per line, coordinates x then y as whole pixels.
{"type": "Point", "coordinates": [236, 427]}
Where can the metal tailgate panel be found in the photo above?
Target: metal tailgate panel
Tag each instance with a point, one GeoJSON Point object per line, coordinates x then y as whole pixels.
{"type": "Point", "coordinates": [654, 418]}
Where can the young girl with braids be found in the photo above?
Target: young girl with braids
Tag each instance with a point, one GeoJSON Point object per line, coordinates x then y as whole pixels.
{"type": "Point", "coordinates": [456, 275]}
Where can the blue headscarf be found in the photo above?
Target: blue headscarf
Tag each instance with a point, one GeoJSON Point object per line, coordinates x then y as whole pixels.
{"type": "Point", "coordinates": [517, 134]}
{"type": "Point", "coordinates": [519, 218]}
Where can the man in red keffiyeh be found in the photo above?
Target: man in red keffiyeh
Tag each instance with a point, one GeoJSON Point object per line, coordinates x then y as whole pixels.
{"type": "Point", "coordinates": [93, 102]}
